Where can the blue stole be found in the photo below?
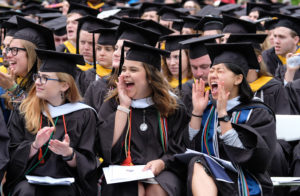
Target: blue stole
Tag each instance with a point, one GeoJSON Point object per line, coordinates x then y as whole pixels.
{"type": "Point", "coordinates": [247, 183]}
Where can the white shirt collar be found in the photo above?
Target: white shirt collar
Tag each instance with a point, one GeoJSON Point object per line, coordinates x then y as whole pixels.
{"type": "Point", "coordinates": [232, 103]}
{"type": "Point", "coordinates": [67, 108]}
{"type": "Point", "coordinates": [142, 103]}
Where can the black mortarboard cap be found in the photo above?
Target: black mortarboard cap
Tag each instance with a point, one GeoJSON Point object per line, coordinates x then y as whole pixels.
{"type": "Point", "coordinates": [289, 22]}
{"type": "Point", "coordinates": [128, 12]}
{"type": "Point", "coordinates": [270, 24]}
{"type": "Point", "coordinates": [137, 34]}
{"type": "Point", "coordinates": [209, 23]}
{"type": "Point", "coordinates": [172, 41]}
{"type": "Point", "coordinates": [257, 7]}
{"type": "Point", "coordinates": [235, 25]}
{"type": "Point", "coordinates": [148, 6]}
{"type": "Point", "coordinates": [44, 17]}
{"type": "Point", "coordinates": [5, 8]}
{"type": "Point", "coordinates": [108, 36]}
{"type": "Point", "coordinates": [242, 12]}
{"type": "Point", "coordinates": [209, 10]}
{"type": "Point", "coordinates": [156, 27]}
{"type": "Point", "coordinates": [196, 45]}
{"type": "Point", "coordinates": [31, 2]}
{"type": "Point", "coordinates": [145, 53]}
{"type": "Point", "coordinates": [296, 14]}
{"type": "Point", "coordinates": [183, 10]}
{"type": "Point", "coordinates": [169, 14]}
{"type": "Point", "coordinates": [11, 26]}
{"type": "Point", "coordinates": [90, 23]}
{"type": "Point", "coordinates": [240, 54]}
{"type": "Point", "coordinates": [255, 39]}
{"type": "Point", "coordinates": [81, 9]}
{"type": "Point", "coordinates": [10, 13]}
{"type": "Point", "coordinates": [53, 61]}
{"type": "Point", "coordinates": [60, 30]}
{"type": "Point", "coordinates": [32, 9]}
{"type": "Point", "coordinates": [229, 8]}
{"type": "Point", "coordinates": [190, 21]}
{"type": "Point", "coordinates": [58, 25]}
{"type": "Point", "coordinates": [131, 19]}
{"type": "Point", "coordinates": [178, 25]}
{"type": "Point", "coordinates": [39, 35]}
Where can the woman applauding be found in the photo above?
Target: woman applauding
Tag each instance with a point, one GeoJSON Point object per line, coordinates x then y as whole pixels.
{"type": "Point", "coordinates": [53, 135]}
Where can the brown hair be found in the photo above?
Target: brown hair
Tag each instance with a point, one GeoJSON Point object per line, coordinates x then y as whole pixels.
{"type": "Point", "coordinates": [32, 106]}
{"type": "Point", "coordinates": [167, 72]}
{"type": "Point", "coordinates": [263, 67]}
{"type": "Point", "coordinates": [164, 102]}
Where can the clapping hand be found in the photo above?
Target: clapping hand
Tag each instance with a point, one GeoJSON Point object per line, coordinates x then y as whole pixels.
{"type": "Point", "coordinates": [61, 147]}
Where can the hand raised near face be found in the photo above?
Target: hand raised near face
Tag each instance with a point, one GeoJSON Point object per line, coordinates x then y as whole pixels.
{"type": "Point", "coordinates": [125, 100]}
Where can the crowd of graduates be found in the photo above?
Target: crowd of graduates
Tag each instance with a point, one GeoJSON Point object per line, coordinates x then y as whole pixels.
{"type": "Point", "coordinates": [88, 84]}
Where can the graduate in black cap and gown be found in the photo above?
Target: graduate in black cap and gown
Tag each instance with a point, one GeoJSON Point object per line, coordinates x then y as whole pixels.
{"type": "Point", "coordinates": [263, 85]}
{"type": "Point", "coordinates": [75, 11]}
{"type": "Point", "coordinates": [286, 39]}
{"type": "Point", "coordinates": [231, 126]}
{"type": "Point", "coordinates": [200, 65]}
{"type": "Point", "coordinates": [176, 67]}
{"type": "Point", "coordinates": [53, 133]}
{"type": "Point", "coordinates": [104, 52]}
{"type": "Point", "coordinates": [22, 56]}
{"type": "Point", "coordinates": [96, 92]}
{"type": "Point", "coordinates": [143, 123]}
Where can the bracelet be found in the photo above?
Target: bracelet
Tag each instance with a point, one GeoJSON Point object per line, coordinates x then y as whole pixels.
{"type": "Point", "coordinates": [69, 158]}
{"type": "Point", "coordinates": [123, 109]}
{"type": "Point", "coordinates": [35, 148]}
{"type": "Point", "coordinates": [13, 87]}
{"type": "Point", "coordinates": [198, 116]}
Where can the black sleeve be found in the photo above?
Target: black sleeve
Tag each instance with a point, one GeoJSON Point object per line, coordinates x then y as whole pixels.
{"type": "Point", "coordinates": [258, 136]}
{"type": "Point", "coordinates": [4, 138]}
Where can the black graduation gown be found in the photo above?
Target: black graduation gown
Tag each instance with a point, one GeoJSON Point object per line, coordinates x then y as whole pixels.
{"type": "Point", "coordinates": [85, 78]}
{"type": "Point", "coordinates": [81, 128]}
{"type": "Point", "coordinates": [280, 73]}
{"type": "Point", "coordinates": [258, 135]}
{"type": "Point", "coordinates": [274, 95]}
{"type": "Point", "coordinates": [96, 93]}
{"type": "Point", "coordinates": [187, 95]}
{"type": "Point", "coordinates": [4, 143]}
{"type": "Point", "coordinates": [271, 60]}
{"type": "Point", "coordinates": [145, 146]}
{"type": "Point", "coordinates": [293, 90]}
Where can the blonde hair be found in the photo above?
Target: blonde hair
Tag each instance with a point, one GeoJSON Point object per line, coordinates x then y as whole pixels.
{"type": "Point", "coordinates": [33, 64]}
{"type": "Point", "coordinates": [32, 106]}
{"type": "Point", "coordinates": [164, 102]}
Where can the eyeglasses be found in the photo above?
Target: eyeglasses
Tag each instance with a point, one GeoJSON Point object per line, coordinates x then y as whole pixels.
{"type": "Point", "coordinates": [43, 79]}
{"type": "Point", "coordinates": [14, 50]}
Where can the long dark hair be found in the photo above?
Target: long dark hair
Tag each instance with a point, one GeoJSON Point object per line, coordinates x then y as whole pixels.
{"type": "Point", "coordinates": [245, 91]}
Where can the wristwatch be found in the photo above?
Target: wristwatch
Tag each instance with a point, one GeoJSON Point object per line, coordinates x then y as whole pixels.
{"type": "Point", "coordinates": [225, 118]}
{"type": "Point", "coordinates": [68, 158]}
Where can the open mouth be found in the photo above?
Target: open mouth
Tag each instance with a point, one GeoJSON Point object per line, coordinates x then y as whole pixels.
{"type": "Point", "coordinates": [70, 31]}
{"type": "Point", "coordinates": [129, 84]}
{"type": "Point", "coordinates": [214, 87]}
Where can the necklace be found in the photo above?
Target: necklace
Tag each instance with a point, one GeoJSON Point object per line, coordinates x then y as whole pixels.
{"type": "Point", "coordinates": [144, 126]}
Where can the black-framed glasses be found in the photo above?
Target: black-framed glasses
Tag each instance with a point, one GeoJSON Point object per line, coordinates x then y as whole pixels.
{"type": "Point", "coordinates": [14, 50]}
{"type": "Point", "coordinates": [43, 79]}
